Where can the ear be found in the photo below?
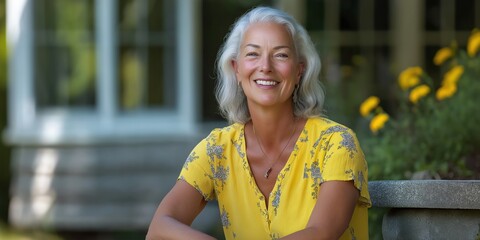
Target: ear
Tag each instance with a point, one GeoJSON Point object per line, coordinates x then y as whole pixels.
{"type": "Point", "coordinates": [233, 62]}
{"type": "Point", "coordinates": [301, 69]}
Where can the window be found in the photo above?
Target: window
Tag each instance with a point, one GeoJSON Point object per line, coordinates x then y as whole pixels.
{"type": "Point", "coordinates": [64, 50]}
{"type": "Point", "coordinates": [96, 70]}
{"type": "Point", "coordinates": [146, 55]}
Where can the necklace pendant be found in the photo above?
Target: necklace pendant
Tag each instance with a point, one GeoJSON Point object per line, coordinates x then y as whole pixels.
{"type": "Point", "coordinates": [267, 173]}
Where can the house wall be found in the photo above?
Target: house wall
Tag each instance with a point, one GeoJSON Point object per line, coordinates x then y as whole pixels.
{"type": "Point", "coordinates": [98, 187]}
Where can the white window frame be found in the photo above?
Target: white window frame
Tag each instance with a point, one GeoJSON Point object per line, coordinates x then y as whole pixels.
{"type": "Point", "coordinates": [28, 125]}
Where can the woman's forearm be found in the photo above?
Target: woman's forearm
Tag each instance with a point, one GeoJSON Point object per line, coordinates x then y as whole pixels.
{"type": "Point", "coordinates": [308, 233]}
{"type": "Point", "coordinates": [165, 227]}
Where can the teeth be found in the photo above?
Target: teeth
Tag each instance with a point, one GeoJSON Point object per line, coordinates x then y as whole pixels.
{"type": "Point", "coordinates": [267, 83]}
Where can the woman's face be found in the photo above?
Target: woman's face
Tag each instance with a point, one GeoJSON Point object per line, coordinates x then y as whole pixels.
{"type": "Point", "coordinates": [267, 66]}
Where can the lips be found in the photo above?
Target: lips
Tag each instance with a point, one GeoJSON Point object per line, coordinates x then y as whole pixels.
{"type": "Point", "coordinates": [266, 82]}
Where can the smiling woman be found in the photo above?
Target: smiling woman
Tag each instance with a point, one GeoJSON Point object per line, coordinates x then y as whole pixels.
{"type": "Point", "coordinates": [281, 170]}
{"type": "Point", "coordinates": [267, 66]}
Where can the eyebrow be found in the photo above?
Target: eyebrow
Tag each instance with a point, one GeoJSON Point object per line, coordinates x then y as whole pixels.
{"type": "Point", "coordinates": [257, 46]}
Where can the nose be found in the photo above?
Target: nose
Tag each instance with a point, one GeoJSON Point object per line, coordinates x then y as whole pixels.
{"type": "Point", "coordinates": [266, 65]}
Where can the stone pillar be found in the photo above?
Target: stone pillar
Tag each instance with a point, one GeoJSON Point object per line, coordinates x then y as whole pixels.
{"type": "Point", "coordinates": [407, 33]}
{"type": "Point", "coordinates": [428, 209]}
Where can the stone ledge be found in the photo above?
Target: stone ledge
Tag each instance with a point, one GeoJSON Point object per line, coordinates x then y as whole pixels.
{"type": "Point", "coordinates": [438, 194]}
{"type": "Point", "coordinates": [431, 224]}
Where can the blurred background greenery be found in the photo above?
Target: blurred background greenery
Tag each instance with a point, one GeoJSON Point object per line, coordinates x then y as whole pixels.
{"type": "Point", "coordinates": [363, 45]}
{"type": "Point", "coordinates": [4, 150]}
{"type": "Point", "coordinates": [432, 134]}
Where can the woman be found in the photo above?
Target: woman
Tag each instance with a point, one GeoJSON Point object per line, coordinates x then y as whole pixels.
{"type": "Point", "coordinates": [280, 171]}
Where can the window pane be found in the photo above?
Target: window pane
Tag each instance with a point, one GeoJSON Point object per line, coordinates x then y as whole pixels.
{"type": "Point", "coordinates": [147, 55]}
{"type": "Point", "coordinates": [64, 53]}
{"type": "Point", "coordinates": [432, 15]}
{"type": "Point", "coordinates": [382, 15]}
{"type": "Point", "coordinates": [465, 15]}
{"type": "Point", "coordinates": [315, 15]}
{"type": "Point", "coordinates": [349, 14]}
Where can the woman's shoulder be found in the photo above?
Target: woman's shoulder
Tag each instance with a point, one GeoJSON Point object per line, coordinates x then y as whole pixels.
{"type": "Point", "coordinates": [226, 134]}
{"type": "Point", "coordinates": [325, 125]}
{"type": "Point", "coordinates": [326, 130]}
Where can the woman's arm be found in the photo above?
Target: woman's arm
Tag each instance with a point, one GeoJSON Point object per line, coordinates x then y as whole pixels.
{"type": "Point", "coordinates": [175, 214]}
{"type": "Point", "coordinates": [332, 213]}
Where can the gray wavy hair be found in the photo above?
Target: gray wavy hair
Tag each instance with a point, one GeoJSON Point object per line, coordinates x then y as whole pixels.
{"type": "Point", "coordinates": [232, 100]}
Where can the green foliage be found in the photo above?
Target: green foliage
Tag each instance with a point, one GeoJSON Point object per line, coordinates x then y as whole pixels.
{"type": "Point", "coordinates": [434, 136]}
{"type": "Point", "coordinates": [375, 218]}
{"type": "Point", "coordinates": [3, 47]}
{"type": "Point", "coordinates": [343, 96]}
{"type": "Point", "coordinates": [9, 234]}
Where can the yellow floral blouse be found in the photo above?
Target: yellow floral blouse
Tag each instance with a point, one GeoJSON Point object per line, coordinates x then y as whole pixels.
{"type": "Point", "coordinates": [325, 150]}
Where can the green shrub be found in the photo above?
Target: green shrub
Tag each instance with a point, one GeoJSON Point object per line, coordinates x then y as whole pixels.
{"type": "Point", "coordinates": [435, 129]}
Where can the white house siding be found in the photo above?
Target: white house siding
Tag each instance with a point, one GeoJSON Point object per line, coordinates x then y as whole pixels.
{"type": "Point", "coordinates": [105, 170]}
{"type": "Point", "coordinates": [101, 187]}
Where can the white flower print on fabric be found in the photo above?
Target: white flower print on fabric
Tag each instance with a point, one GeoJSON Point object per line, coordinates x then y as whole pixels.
{"type": "Point", "coordinates": [358, 178]}
{"type": "Point", "coordinates": [192, 157]}
{"type": "Point", "coordinates": [276, 198]}
{"type": "Point", "coordinates": [238, 146]}
{"type": "Point", "coordinates": [278, 192]}
{"type": "Point", "coordinates": [324, 135]}
{"type": "Point", "coordinates": [316, 175]}
{"type": "Point", "coordinates": [304, 136]}
{"type": "Point", "coordinates": [195, 185]}
{"type": "Point", "coordinates": [214, 151]}
{"type": "Point", "coordinates": [274, 236]}
{"type": "Point", "coordinates": [224, 218]}
{"type": "Point", "coordinates": [352, 233]}
{"type": "Point", "coordinates": [348, 142]}
{"type": "Point", "coordinates": [216, 155]}
{"type": "Point", "coordinates": [221, 174]}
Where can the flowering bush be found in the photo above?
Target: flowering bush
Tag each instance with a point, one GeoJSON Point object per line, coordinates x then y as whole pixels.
{"type": "Point", "coordinates": [436, 127]}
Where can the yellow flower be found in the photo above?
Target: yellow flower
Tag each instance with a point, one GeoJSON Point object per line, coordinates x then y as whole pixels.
{"type": "Point", "coordinates": [452, 76]}
{"type": "Point", "coordinates": [418, 93]}
{"type": "Point", "coordinates": [378, 122]}
{"type": "Point", "coordinates": [446, 91]}
{"type": "Point", "coordinates": [473, 43]}
{"type": "Point", "coordinates": [409, 77]}
{"type": "Point", "coordinates": [368, 105]}
{"type": "Point", "coordinates": [442, 55]}
{"type": "Point", "coordinates": [412, 81]}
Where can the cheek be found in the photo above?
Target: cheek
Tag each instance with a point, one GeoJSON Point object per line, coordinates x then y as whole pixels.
{"type": "Point", "coordinates": [288, 70]}
{"type": "Point", "coordinates": [246, 68]}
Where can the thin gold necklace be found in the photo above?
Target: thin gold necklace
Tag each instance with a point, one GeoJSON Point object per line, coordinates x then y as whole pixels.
{"type": "Point", "coordinates": [269, 170]}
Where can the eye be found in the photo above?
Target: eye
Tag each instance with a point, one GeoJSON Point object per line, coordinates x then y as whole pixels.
{"type": "Point", "coordinates": [281, 55]}
{"type": "Point", "coordinates": [251, 54]}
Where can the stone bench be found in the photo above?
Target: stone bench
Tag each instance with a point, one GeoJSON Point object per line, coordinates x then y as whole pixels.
{"type": "Point", "coordinates": [428, 209]}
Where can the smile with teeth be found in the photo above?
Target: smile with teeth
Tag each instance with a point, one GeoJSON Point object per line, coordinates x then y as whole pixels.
{"type": "Point", "coordinates": [266, 82]}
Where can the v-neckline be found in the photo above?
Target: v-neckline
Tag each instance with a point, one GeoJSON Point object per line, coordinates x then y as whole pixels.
{"type": "Point", "coordinates": [266, 205]}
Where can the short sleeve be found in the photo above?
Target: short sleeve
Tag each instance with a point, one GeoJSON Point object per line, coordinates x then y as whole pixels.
{"type": "Point", "coordinates": [197, 172]}
{"type": "Point", "coordinates": [344, 161]}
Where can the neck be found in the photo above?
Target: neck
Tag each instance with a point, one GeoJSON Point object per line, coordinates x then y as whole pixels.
{"type": "Point", "coordinates": [273, 128]}
{"type": "Point", "coordinates": [274, 144]}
